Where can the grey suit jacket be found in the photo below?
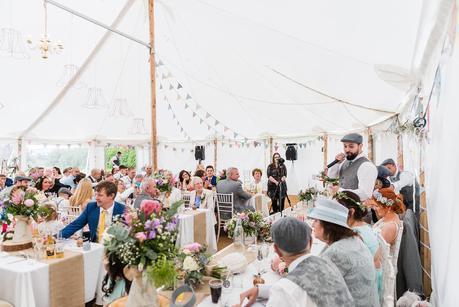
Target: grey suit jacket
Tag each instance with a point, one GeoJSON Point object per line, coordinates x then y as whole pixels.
{"type": "Point", "coordinates": [240, 197]}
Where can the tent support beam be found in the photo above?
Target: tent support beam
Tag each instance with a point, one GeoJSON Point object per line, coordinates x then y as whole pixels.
{"type": "Point", "coordinates": [400, 152]}
{"type": "Point", "coordinates": [154, 132]}
{"type": "Point", "coordinates": [98, 23]}
{"type": "Point", "coordinates": [325, 150]}
{"type": "Point", "coordinates": [371, 152]}
{"type": "Point", "coordinates": [215, 153]}
{"type": "Point", "coordinates": [80, 72]}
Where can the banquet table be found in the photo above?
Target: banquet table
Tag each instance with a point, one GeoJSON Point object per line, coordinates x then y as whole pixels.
{"type": "Point", "coordinates": [230, 296]}
{"type": "Point", "coordinates": [194, 223]}
{"type": "Point", "coordinates": [26, 282]}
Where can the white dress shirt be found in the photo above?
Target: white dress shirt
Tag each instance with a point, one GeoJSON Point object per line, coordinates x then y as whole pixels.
{"type": "Point", "coordinates": [406, 180]}
{"type": "Point", "coordinates": [127, 181]}
{"type": "Point", "coordinates": [121, 197]}
{"type": "Point", "coordinates": [367, 174]}
{"type": "Point", "coordinates": [285, 292]}
{"type": "Point", "coordinates": [108, 216]}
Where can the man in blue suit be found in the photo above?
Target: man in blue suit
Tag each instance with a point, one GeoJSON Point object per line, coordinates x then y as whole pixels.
{"type": "Point", "coordinates": [98, 215]}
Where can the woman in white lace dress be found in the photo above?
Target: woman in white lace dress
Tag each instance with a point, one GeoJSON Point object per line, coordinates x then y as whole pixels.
{"type": "Point", "coordinates": [388, 205]}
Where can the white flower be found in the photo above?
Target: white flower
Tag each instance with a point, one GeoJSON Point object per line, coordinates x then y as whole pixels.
{"type": "Point", "coordinates": [186, 251]}
{"type": "Point", "coordinates": [106, 237]}
{"type": "Point", "coordinates": [189, 264]}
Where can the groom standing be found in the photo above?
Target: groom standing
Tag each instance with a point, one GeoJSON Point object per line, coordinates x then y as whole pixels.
{"type": "Point", "coordinates": [98, 215]}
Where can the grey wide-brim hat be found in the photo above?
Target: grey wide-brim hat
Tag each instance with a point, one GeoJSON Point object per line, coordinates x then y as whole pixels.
{"type": "Point", "coordinates": [20, 178]}
{"type": "Point", "coordinates": [331, 211]}
{"type": "Point", "coordinates": [352, 138]}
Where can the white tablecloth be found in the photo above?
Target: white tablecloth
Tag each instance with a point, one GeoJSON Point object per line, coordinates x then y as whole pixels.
{"type": "Point", "coordinates": [186, 230]}
{"type": "Point", "coordinates": [264, 203]}
{"type": "Point", "coordinates": [26, 283]}
{"type": "Point", "coordinates": [231, 296]}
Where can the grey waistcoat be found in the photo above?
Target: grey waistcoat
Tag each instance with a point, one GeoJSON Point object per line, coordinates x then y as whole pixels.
{"type": "Point", "coordinates": [348, 173]}
{"type": "Point", "coordinates": [322, 281]}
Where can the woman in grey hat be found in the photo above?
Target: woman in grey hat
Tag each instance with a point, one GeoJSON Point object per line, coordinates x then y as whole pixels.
{"type": "Point", "coordinates": [346, 250]}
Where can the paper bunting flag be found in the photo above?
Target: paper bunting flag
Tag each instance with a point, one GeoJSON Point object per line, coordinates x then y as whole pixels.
{"type": "Point", "coordinates": [201, 120]}
{"type": "Point", "coordinates": [194, 114]}
{"type": "Point", "coordinates": [171, 87]}
{"type": "Point", "coordinates": [165, 146]}
{"type": "Point", "coordinates": [186, 106]}
{"type": "Point", "coordinates": [174, 149]}
{"type": "Point", "coordinates": [179, 86]}
{"type": "Point", "coordinates": [173, 116]}
{"type": "Point", "coordinates": [160, 86]}
{"type": "Point", "coordinates": [169, 107]}
{"type": "Point", "coordinates": [225, 129]}
{"type": "Point", "coordinates": [181, 129]}
{"type": "Point", "coordinates": [216, 122]}
{"type": "Point", "coordinates": [235, 134]}
{"type": "Point", "coordinates": [188, 96]}
{"type": "Point", "coordinates": [208, 127]}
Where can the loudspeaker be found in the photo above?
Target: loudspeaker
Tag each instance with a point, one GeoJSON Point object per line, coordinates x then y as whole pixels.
{"type": "Point", "coordinates": [199, 152]}
{"type": "Point", "coordinates": [290, 153]}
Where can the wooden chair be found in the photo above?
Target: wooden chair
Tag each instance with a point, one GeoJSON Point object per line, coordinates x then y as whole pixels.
{"type": "Point", "coordinates": [186, 198]}
{"type": "Point", "coordinates": [225, 210]}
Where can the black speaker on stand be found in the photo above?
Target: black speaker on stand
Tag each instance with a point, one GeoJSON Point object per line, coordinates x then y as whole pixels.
{"type": "Point", "coordinates": [199, 153]}
{"type": "Point", "coordinates": [291, 153]}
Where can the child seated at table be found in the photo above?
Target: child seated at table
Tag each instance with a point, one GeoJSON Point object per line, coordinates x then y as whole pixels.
{"type": "Point", "coordinates": [115, 284]}
{"type": "Point", "coordinates": [51, 224]}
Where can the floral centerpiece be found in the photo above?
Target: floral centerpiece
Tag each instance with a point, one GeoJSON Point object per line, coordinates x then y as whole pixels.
{"type": "Point", "coordinates": [22, 204]}
{"type": "Point", "coordinates": [193, 259]}
{"type": "Point", "coordinates": [308, 194]}
{"type": "Point", "coordinates": [163, 183]}
{"type": "Point", "coordinates": [144, 239]}
{"type": "Point", "coordinates": [327, 180]}
{"type": "Point", "coordinates": [252, 223]}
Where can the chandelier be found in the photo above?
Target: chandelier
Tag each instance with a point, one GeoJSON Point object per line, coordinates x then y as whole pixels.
{"type": "Point", "coordinates": [45, 45]}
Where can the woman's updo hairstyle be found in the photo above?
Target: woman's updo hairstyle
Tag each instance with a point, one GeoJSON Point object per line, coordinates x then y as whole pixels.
{"type": "Point", "coordinates": [387, 198]}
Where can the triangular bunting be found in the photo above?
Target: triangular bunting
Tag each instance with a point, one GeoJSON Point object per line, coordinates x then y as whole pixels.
{"type": "Point", "coordinates": [201, 120]}
{"type": "Point", "coordinates": [188, 96]}
{"type": "Point", "coordinates": [186, 106]}
{"type": "Point", "coordinates": [208, 127]}
{"type": "Point", "coordinates": [169, 107]}
{"type": "Point", "coordinates": [225, 129]}
{"type": "Point", "coordinates": [216, 122]}
{"type": "Point", "coordinates": [171, 87]}
{"type": "Point", "coordinates": [194, 114]}
{"type": "Point", "coordinates": [165, 98]}
{"type": "Point", "coordinates": [160, 86]}
{"type": "Point", "coordinates": [207, 115]}
{"type": "Point", "coordinates": [179, 86]}
{"type": "Point", "coordinates": [235, 135]}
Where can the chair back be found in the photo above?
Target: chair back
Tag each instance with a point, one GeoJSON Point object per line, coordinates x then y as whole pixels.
{"type": "Point", "coordinates": [186, 198]}
{"type": "Point", "coordinates": [225, 206]}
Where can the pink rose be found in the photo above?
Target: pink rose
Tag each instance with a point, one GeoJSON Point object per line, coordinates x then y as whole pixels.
{"type": "Point", "coordinates": [193, 247]}
{"type": "Point", "coordinates": [17, 197]}
{"type": "Point", "coordinates": [29, 202]}
{"type": "Point", "coordinates": [128, 218]}
{"type": "Point", "coordinates": [150, 206]}
{"type": "Point", "coordinates": [140, 236]}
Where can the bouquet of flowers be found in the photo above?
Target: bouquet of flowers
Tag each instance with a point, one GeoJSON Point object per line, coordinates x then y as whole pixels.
{"type": "Point", "coordinates": [327, 180]}
{"type": "Point", "coordinates": [145, 239]}
{"type": "Point", "coordinates": [308, 195]}
{"type": "Point", "coordinates": [162, 182]}
{"type": "Point", "coordinates": [192, 263]}
{"type": "Point", "coordinates": [22, 202]}
{"type": "Point", "coordinates": [252, 223]}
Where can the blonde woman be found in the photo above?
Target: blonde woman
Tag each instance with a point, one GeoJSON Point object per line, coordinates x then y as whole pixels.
{"type": "Point", "coordinates": [83, 194]}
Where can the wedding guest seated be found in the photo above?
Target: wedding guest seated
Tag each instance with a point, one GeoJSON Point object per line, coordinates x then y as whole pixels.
{"type": "Point", "coordinates": [200, 197]}
{"type": "Point", "coordinates": [123, 192]}
{"type": "Point", "coordinates": [174, 195]}
{"type": "Point", "coordinates": [84, 193]}
{"type": "Point", "coordinates": [185, 181]}
{"type": "Point", "coordinates": [97, 215]}
{"type": "Point", "coordinates": [234, 186]}
{"type": "Point", "coordinates": [259, 186]}
{"type": "Point", "coordinates": [115, 284]}
{"type": "Point", "coordinates": [44, 185]}
{"type": "Point", "coordinates": [148, 191]}
{"type": "Point", "coordinates": [357, 211]}
{"type": "Point", "coordinates": [210, 179]}
{"type": "Point", "coordinates": [201, 174]}
{"type": "Point", "coordinates": [63, 197]}
{"type": "Point", "coordinates": [51, 225]}
{"type": "Point", "coordinates": [57, 176]}
{"type": "Point", "coordinates": [70, 179]}
{"type": "Point", "coordinates": [311, 280]}
{"type": "Point", "coordinates": [346, 250]}
{"type": "Point", "coordinates": [19, 181]}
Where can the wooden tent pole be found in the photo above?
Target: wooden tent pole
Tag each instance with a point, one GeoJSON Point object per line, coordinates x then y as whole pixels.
{"type": "Point", "coordinates": [215, 154]}
{"type": "Point", "coordinates": [371, 153]}
{"type": "Point", "coordinates": [400, 152]}
{"type": "Point", "coordinates": [154, 146]}
{"type": "Point", "coordinates": [325, 150]}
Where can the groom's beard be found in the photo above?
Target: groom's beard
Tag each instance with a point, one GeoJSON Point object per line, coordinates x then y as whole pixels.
{"type": "Point", "coordinates": [351, 156]}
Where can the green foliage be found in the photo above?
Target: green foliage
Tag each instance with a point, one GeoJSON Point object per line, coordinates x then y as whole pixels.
{"type": "Point", "coordinates": [60, 157]}
{"type": "Point", "coordinates": [128, 157]}
{"type": "Point", "coordinates": [162, 273]}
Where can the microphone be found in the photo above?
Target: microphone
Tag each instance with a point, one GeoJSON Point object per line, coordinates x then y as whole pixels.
{"type": "Point", "coordinates": [333, 163]}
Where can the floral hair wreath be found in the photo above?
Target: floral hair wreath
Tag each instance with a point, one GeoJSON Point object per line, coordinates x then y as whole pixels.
{"type": "Point", "coordinates": [341, 195]}
{"type": "Point", "coordinates": [383, 200]}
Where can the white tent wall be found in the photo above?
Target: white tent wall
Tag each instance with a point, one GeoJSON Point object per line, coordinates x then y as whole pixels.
{"type": "Point", "coordinates": [385, 146]}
